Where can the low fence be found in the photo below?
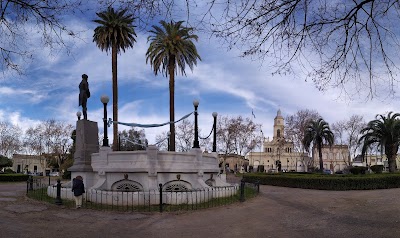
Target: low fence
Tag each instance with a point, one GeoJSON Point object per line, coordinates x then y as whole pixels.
{"type": "Point", "coordinates": [153, 200]}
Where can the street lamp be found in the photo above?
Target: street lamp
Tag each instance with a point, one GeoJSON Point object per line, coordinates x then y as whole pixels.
{"type": "Point", "coordinates": [168, 135]}
{"type": "Point", "coordinates": [214, 114]}
{"type": "Point", "coordinates": [78, 114]}
{"type": "Point", "coordinates": [104, 99]}
{"type": "Point", "coordinates": [196, 129]}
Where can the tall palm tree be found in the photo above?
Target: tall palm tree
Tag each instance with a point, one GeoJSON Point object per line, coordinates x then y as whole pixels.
{"type": "Point", "coordinates": [171, 48]}
{"type": "Point", "coordinates": [317, 132]}
{"type": "Point", "coordinates": [383, 132]}
{"type": "Point", "coordinates": [115, 32]}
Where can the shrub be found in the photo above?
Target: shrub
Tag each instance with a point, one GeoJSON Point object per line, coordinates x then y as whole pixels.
{"type": "Point", "coordinates": [377, 169]}
{"type": "Point", "coordinates": [13, 177]}
{"type": "Point", "coordinates": [358, 170]}
{"type": "Point", "coordinates": [66, 175]}
{"type": "Point", "coordinates": [9, 171]}
{"type": "Point", "coordinates": [321, 182]}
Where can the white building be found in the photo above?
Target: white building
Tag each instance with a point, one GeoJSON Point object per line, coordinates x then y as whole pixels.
{"type": "Point", "coordinates": [29, 163]}
{"type": "Point", "coordinates": [279, 152]}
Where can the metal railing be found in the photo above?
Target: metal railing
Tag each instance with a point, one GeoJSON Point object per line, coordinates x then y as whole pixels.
{"type": "Point", "coordinates": [144, 201]}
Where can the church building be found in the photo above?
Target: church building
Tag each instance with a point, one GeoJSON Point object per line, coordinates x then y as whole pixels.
{"type": "Point", "coordinates": [279, 154]}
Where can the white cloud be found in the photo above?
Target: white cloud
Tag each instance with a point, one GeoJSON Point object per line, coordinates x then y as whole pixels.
{"type": "Point", "coordinates": [222, 82]}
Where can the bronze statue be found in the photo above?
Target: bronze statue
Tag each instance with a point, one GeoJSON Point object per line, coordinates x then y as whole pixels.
{"type": "Point", "coordinates": [84, 94]}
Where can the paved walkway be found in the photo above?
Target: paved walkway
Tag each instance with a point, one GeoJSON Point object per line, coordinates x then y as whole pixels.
{"type": "Point", "coordinates": [276, 212]}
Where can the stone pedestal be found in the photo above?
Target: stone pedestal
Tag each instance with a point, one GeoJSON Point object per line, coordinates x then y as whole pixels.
{"type": "Point", "coordinates": [87, 143]}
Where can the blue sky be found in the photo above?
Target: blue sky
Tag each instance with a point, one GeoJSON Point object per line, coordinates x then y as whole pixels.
{"type": "Point", "coordinates": [223, 82]}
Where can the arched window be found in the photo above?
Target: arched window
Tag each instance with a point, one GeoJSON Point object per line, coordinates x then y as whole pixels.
{"type": "Point", "coordinates": [278, 133]}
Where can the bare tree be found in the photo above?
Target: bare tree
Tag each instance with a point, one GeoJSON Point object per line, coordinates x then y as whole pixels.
{"type": "Point", "coordinates": [33, 140]}
{"type": "Point", "coordinates": [20, 20]}
{"type": "Point", "coordinates": [295, 129]}
{"type": "Point", "coordinates": [348, 132]}
{"type": "Point", "coordinates": [133, 140]}
{"type": "Point", "coordinates": [162, 141]}
{"type": "Point", "coordinates": [50, 138]}
{"type": "Point", "coordinates": [246, 135]}
{"type": "Point", "coordinates": [296, 124]}
{"type": "Point", "coordinates": [9, 139]}
{"type": "Point", "coordinates": [350, 45]}
{"type": "Point", "coordinates": [57, 137]}
{"type": "Point", "coordinates": [345, 44]}
{"type": "Point", "coordinates": [184, 135]}
{"type": "Point", "coordinates": [236, 135]}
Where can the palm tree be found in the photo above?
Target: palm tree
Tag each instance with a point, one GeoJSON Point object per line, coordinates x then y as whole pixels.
{"type": "Point", "coordinates": [171, 47]}
{"type": "Point", "coordinates": [385, 133]}
{"type": "Point", "coordinates": [317, 132]}
{"type": "Point", "coordinates": [115, 32]}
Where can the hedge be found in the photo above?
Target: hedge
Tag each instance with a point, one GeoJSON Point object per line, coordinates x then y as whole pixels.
{"type": "Point", "coordinates": [13, 177]}
{"type": "Point", "coordinates": [328, 182]}
{"type": "Point", "coordinates": [377, 169]}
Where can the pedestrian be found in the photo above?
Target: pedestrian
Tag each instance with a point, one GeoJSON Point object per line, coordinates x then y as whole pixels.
{"type": "Point", "coordinates": [79, 189]}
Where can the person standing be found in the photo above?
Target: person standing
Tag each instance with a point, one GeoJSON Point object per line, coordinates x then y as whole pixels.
{"type": "Point", "coordinates": [79, 189]}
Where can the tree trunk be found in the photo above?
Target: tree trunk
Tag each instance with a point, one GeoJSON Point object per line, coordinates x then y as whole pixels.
{"type": "Point", "coordinates": [391, 154]}
{"type": "Point", "coordinates": [321, 162]}
{"type": "Point", "coordinates": [171, 71]}
{"type": "Point", "coordinates": [115, 97]}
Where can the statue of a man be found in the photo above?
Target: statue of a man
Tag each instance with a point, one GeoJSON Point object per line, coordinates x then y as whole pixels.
{"type": "Point", "coordinates": [84, 94]}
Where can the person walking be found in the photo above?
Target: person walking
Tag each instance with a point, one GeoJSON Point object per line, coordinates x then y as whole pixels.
{"type": "Point", "coordinates": [79, 189]}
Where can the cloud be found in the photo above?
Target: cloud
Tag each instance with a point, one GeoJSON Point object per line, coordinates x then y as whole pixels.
{"type": "Point", "coordinates": [223, 83]}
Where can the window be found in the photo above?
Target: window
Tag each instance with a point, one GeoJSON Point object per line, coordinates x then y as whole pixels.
{"type": "Point", "coordinates": [278, 133]}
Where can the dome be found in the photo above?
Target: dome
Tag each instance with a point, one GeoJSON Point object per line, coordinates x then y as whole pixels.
{"type": "Point", "coordinates": [279, 114]}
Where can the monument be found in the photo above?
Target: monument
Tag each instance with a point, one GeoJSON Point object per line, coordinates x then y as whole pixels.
{"type": "Point", "coordinates": [131, 176]}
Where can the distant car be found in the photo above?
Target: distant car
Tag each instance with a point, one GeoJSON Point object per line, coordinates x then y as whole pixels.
{"type": "Point", "coordinates": [328, 171]}
{"type": "Point", "coordinates": [55, 174]}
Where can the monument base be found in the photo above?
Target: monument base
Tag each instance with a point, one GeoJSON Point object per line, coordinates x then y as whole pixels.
{"type": "Point", "coordinates": [86, 143]}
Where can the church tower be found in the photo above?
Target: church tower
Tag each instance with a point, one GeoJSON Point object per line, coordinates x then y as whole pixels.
{"type": "Point", "coordinates": [279, 124]}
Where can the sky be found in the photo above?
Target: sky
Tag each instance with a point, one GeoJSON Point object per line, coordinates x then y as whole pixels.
{"type": "Point", "coordinates": [222, 81]}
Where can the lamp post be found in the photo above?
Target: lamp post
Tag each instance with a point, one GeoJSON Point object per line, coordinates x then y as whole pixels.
{"type": "Point", "coordinates": [104, 99]}
{"type": "Point", "coordinates": [168, 135]}
{"type": "Point", "coordinates": [196, 129]}
{"type": "Point", "coordinates": [214, 114]}
{"type": "Point", "coordinates": [78, 114]}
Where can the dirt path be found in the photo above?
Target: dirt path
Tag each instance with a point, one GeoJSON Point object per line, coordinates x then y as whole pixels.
{"type": "Point", "coordinates": [277, 212]}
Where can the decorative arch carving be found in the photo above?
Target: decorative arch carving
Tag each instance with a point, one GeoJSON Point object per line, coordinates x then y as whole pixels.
{"type": "Point", "coordinates": [127, 185]}
{"type": "Point", "coordinates": [210, 182]}
{"type": "Point", "coordinates": [177, 186]}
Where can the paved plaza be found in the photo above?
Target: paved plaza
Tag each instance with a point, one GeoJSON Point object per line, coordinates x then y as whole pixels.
{"type": "Point", "coordinates": [276, 212]}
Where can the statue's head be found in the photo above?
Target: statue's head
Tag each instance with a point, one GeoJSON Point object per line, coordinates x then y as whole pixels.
{"type": "Point", "coordinates": [84, 76]}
